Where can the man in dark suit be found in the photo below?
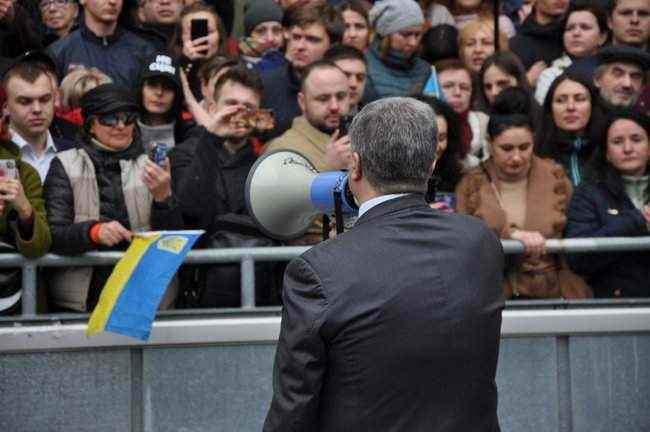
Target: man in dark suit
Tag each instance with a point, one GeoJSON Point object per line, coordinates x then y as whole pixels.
{"type": "Point", "coordinates": [394, 325]}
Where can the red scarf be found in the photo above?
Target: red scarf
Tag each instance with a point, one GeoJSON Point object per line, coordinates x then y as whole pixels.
{"type": "Point", "coordinates": [73, 116]}
{"type": "Point", "coordinates": [466, 135]}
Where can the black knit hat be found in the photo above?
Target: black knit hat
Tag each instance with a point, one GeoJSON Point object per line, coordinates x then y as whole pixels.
{"type": "Point", "coordinates": [106, 99]}
{"type": "Point", "coordinates": [259, 11]}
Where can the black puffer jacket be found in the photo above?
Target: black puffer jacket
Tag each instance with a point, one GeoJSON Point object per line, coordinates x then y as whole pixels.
{"type": "Point", "coordinates": [69, 238]}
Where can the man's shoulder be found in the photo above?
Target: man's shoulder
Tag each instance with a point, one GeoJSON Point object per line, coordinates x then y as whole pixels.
{"type": "Point", "coordinates": [134, 40]}
{"type": "Point", "coordinates": [275, 75]}
{"type": "Point", "coordinates": [70, 41]}
{"type": "Point", "coordinates": [290, 140]}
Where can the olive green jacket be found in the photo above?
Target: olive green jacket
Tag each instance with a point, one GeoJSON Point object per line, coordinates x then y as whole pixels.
{"type": "Point", "coordinates": [39, 243]}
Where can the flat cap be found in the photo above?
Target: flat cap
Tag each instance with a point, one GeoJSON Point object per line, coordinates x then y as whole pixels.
{"type": "Point", "coordinates": [624, 54]}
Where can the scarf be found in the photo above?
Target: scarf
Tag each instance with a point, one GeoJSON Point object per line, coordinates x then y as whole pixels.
{"type": "Point", "coordinates": [466, 134]}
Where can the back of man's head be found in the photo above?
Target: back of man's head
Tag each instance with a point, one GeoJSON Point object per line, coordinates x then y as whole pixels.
{"type": "Point", "coordinates": [344, 52]}
{"type": "Point", "coordinates": [396, 140]}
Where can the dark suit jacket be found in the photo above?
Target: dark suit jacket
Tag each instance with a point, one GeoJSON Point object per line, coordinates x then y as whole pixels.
{"type": "Point", "coordinates": [392, 326]}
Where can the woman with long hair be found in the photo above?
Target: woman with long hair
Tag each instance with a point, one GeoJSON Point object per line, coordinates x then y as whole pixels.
{"type": "Point", "coordinates": [192, 53]}
{"type": "Point", "coordinates": [448, 170]}
{"type": "Point", "coordinates": [358, 31]}
{"type": "Point", "coordinates": [614, 202]}
{"type": "Point", "coordinates": [522, 197]}
{"type": "Point", "coordinates": [570, 125]}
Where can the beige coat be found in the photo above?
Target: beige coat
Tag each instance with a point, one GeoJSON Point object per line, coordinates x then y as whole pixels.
{"type": "Point", "coordinates": [312, 144]}
{"type": "Point", "coordinates": [547, 198]}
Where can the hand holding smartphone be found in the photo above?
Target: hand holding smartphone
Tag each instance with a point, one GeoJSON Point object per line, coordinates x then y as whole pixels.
{"type": "Point", "coordinates": [8, 169]}
{"type": "Point", "coordinates": [198, 30]}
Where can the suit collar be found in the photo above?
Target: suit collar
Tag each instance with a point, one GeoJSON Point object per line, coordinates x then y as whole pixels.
{"type": "Point", "coordinates": [407, 201]}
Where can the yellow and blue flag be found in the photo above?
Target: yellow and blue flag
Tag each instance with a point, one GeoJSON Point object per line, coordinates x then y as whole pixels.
{"type": "Point", "coordinates": [130, 298]}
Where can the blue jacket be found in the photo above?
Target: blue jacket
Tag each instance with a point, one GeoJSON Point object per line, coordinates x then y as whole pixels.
{"type": "Point", "coordinates": [393, 76]}
{"type": "Point", "coordinates": [119, 56]}
{"type": "Point", "coordinates": [603, 209]}
{"type": "Point", "coordinates": [281, 87]}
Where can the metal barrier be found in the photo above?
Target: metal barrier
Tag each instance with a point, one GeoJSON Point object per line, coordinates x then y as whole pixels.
{"type": "Point", "coordinates": [248, 256]}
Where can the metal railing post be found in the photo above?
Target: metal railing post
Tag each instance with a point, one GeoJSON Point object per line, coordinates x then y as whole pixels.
{"type": "Point", "coordinates": [29, 288]}
{"type": "Point", "coordinates": [247, 282]}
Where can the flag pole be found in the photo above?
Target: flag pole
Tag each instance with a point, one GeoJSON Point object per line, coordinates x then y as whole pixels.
{"type": "Point", "coordinates": [496, 12]}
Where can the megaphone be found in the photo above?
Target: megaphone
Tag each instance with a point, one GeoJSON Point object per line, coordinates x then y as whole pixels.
{"type": "Point", "coordinates": [285, 194]}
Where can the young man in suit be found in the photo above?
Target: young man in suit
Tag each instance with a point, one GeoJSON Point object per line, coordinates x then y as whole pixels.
{"type": "Point", "coordinates": [385, 328]}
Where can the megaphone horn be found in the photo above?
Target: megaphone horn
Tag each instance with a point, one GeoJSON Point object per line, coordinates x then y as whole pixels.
{"type": "Point", "coordinates": [285, 193]}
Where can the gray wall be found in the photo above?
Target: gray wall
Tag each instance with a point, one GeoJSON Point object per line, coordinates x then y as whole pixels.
{"type": "Point", "coordinates": [577, 383]}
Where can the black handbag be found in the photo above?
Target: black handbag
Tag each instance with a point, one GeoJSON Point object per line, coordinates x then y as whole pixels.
{"type": "Point", "coordinates": [219, 285]}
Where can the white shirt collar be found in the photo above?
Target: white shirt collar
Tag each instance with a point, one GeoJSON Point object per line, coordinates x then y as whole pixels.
{"type": "Point", "coordinates": [376, 201]}
{"type": "Point", "coordinates": [20, 141]}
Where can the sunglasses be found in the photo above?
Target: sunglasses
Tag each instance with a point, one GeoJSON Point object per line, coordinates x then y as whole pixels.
{"type": "Point", "coordinates": [112, 120]}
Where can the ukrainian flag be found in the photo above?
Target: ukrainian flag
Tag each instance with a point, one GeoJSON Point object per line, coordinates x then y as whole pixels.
{"type": "Point", "coordinates": [130, 298]}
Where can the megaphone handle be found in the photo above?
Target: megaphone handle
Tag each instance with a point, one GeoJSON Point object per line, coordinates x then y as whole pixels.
{"type": "Point", "coordinates": [326, 227]}
{"type": "Point", "coordinates": [338, 211]}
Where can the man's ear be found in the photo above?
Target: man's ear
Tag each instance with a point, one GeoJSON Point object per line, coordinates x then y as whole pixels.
{"type": "Point", "coordinates": [301, 101]}
{"type": "Point", "coordinates": [355, 171]}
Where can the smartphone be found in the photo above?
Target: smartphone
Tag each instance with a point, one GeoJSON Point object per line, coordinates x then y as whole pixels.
{"type": "Point", "coordinates": [158, 153]}
{"type": "Point", "coordinates": [261, 119]}
{"type": "Point", "coordinates": [344, 125]}
{"type": "Point", "coordinates": [198, 28]}
{"type": "Point", "coordinates": [8, 168]}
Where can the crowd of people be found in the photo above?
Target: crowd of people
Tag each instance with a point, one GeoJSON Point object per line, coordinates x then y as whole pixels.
{"type": "Point", "coordinates": [123, 116]}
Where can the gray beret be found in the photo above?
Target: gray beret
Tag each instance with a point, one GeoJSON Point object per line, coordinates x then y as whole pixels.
{"type": "Point", "coordinates": [391, 16]}
{"type": "Point", "coordinates": [259, 11]}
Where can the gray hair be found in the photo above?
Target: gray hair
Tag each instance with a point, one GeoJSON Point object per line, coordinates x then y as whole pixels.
{"type": "Point", "coordinates": [396, 140]}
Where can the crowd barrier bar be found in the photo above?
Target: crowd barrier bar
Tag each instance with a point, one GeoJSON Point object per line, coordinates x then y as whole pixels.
{"type": "Point", "coordinates": [248, 256]}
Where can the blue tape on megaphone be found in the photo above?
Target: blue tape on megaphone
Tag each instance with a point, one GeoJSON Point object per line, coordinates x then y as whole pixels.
{"type": "Point", "coordinates": [322, 192]}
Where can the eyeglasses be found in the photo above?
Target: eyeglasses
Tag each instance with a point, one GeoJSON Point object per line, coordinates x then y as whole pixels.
{"type": "Point", "coordinates": [44, 4]}
{"type": "Point", "coordinates": [111, 120]}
